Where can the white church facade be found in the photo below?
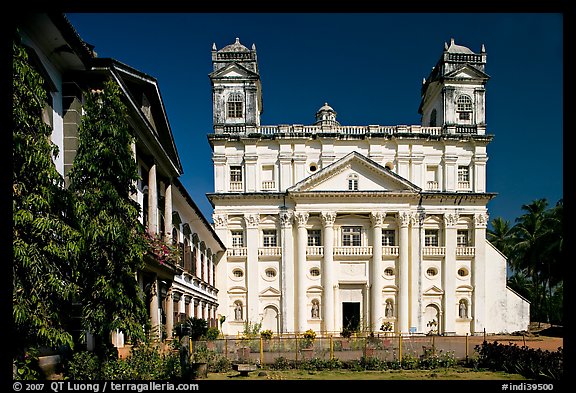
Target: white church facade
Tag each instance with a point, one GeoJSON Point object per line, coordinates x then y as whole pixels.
{"type": "Point", "coordinates": [330, 226]}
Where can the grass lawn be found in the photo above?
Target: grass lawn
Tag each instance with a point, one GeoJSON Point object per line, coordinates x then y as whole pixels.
{"type": "Point", "coordinates": [455, 373]}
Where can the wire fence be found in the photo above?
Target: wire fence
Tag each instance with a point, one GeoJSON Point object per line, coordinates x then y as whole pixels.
{"type": "Point", "coordinates": [387, 347]}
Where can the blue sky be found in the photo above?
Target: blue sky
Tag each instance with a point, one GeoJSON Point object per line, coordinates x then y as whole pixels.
{"type": "Point", "coordinates": [368, 67]}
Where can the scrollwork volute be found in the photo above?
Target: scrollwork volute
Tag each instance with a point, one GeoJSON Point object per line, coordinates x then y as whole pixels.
{"type": "Point", "coordinates": [450, 219]}
{"type": "Point", "coordinates": [403, 218]}
{"type": "Point", "coordinates": [481, 220]}
{"type": "Point", "coordinates": [286, 219]}
{"type": "Point", "coordinates": [377, 218]}
{"type": "Point", "coordinates": [220, 220]}
{"type": "Point", "coordinates": [252, 220]}
{"type": "Point", "coordinates": [301, 218]}
{"type": "Point", "coordinates": [417, 219]}
{"type": "Point", "coordinates": [328, 218]}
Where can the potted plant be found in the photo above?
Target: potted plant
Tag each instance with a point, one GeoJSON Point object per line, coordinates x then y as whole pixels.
{"type": "Point", "coordinates": [346, 333]}
{"type": "Point", "coordinates": [308, 338]}
{"type": "Point", "coordinates": [266, 334]}
{"type": "Point", "coordinates": [433, 325]}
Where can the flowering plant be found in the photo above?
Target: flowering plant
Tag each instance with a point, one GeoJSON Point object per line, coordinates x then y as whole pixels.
{"type": "Point", "coordinates": [266, 334]}
{"type": "Point", "coordinates": [162, 251]}
{"type": "Point", "coordinates": [309, 336]}
{"type": "Point", "coordinates": [386, 326]}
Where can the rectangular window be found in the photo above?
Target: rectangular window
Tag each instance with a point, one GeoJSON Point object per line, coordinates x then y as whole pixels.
{"type": "Point", "coordinates": [235, 173]}
{"type": "Point", "coordinates": [237, 239]}
{"type": "Point", "coordinates": [351, 236]}
{"type": "Point", "coordinates": [464, 115]}
{"type": "Point", "coordinates": [463, 173]}
{"type": "Point", "coordinates": [462, 239]}
{"type": "Point", "coordinates": [353, 184]}
{"type": "Point", "coordinates": [314, 237]}
{"type": "Point", "coordinates": [269, 238]}
{"type": "Point", "coordinates": [431, 237]}
{"type": "Point", "coordinates": [235, 109]}
{"type": "Point", "coordinates": [388, 237]}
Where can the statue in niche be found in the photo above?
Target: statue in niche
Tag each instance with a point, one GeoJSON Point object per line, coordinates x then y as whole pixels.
{"type": "Point", "coordinates": [238, 312]}
{"type": "Point", "coordinates": [315, 310]}
{"type": "Point", "coordinates": [463, 309]}
{"type": "Point", "coordinates": [389, 309]}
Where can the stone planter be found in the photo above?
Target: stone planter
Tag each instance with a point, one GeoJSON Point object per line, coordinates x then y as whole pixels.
{"type": "Point", "coordinates": [198, 370]}
{"type": "Point", "coordinates": [307, 353]}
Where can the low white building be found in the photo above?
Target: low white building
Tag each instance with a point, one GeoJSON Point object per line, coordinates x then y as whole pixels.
{"type": "Point", "coordinates": [330, 226]}
{"type": "Point", "coordinates": [69, 67]}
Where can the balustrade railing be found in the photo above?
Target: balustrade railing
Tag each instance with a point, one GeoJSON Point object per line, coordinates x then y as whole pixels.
{"type": "Point", "coordinates": [434, 251]}
{"type": "Point", "coordinates": [353, 250]}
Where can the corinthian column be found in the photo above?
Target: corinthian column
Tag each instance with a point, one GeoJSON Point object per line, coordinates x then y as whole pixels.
{"type": "Point", "coordinates": [328, 275]}
{"type": "Point", "coordinates": [403, 283]}
{"type": "Point", "coordinates": [479, 273]}
{"type": "Point", "coordinates": [252, 221]}
{"type": "Point", "coordinates": [449, 274]}
{"type": "Point", "coordinates": [168, 214]}
{"type": "Point", "coordinates": [301, 220]}
{"type": "Point", "coordinates": [287, 273]}
{"type": "Point", "coordinates": [376, 271]}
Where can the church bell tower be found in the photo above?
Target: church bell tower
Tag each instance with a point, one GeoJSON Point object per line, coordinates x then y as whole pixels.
{"type": "Point", "coordinates": [236, 89]}
{"type": "Point", "coordinates": [453, 95]}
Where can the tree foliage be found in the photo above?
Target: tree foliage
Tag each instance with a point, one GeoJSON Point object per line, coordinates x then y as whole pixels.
{"type": "Point", "coordinates": [43, 239]}
{"type": "Point", "coordinates": [102, 179]}
{"type": "Point", "coordinates": [534, 247]}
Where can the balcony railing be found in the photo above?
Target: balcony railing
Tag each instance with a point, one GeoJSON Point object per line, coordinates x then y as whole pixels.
{"type": "Point", "coordinates": [432, 185]}
{"type": "Point", "coordinates": [391, 250]}
{"type": "Point", "coordinates": [353, 251]}
{"type": "Point", "coordinates": [235, 186]}
{"type": "Point", "coordinates": [270, 251]}
{"type": "Point", "coordinates": [465, 251]}
{"type": "Point", "coordinates": [315, 250]}
{"type": "Point", "coordinates": [463, 185]}
{"type": "Point", "coordinates": [237, 252]}
{"type": "Point", "coordinates": [434, 251]}
{"type": "Point", "coordinates": [268, 185]}
{"type": "Point", "coordinates": [332, 129]}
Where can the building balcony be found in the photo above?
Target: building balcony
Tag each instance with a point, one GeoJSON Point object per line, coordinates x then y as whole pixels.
{"type": "Point", "coordinates": [270, 251]}
{"type": "Point", "coordinates": [268, 185]}
{"type": "Point", "coordinates": [391, 250]}
{"type": "Point", "coordinates": [358, 251]}
{"type": "Point", "coordinates": [434, 251]}
{"type": "Point", "coordinates": [465, 251]}
{"type": "Point", "coordinates": [237, 252]}
{"type": "Point", "coordinates": [432, 185]}
{"type": "Point", "coordinates": [315, 251]}
{"type": "Point", "coordinates": [236, 186]}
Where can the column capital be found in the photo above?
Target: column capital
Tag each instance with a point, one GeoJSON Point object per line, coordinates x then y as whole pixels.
{"type": "Point", "coordinates": [450, 219]}
{"type": "Point", "coordinates": [481, 220]}
{"type": "Point", "coordinates": [286, 218]}
{"type": "Point", "coordinates": [377, 218]}
{"type": "Point", "coordinates": [220, 220]}
{"type": "Point", "coordinates": [301, 218]}
{"type": "Point", "coordinates": [403, 218]}
{"type": "Point", "coordinates": [328, 218]}
{"type": "Point", "coordinates": [252, 220]}
{"type": "Point", "coordinates": [417, 219]}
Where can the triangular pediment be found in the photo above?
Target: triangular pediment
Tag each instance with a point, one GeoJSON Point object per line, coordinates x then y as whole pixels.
{"type": "Point", "coordinates": [233, 70]}
{"type": "Point", "coordinates": [467, 72]}
{"type": "Point", "coordinates": [433, 290]}
{"type": "Point", "coordinates": [270, 291]}
{"type": "Point", "coordinates": [370, 175]}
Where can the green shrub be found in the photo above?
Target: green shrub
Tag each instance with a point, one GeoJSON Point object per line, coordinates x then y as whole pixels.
{"type": "Point", "coordinates": [212, 333]}
{"type": "Point", "coordinates": [219, 364]}
{"type": "Point", "coordinates": [281, 363]}
{"type": "Point", "coordinates": [118, 369]}
{"type": "Point", "coordinates": [83, 365]}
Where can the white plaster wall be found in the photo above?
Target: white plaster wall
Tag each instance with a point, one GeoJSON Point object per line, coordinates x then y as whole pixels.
{"type": "Point", "coordinates": [506, 312]}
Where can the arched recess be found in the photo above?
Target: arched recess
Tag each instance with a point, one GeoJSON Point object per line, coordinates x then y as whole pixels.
{"type": "Point", "coordinates": [270, 320]}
